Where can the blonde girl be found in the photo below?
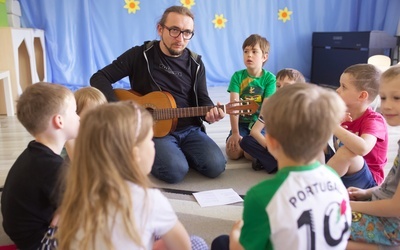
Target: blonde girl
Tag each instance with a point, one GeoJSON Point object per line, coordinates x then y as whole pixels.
{"type": "Point", "coordinates": [86, 99]}
{"type": "Point", "coordinates": [108, 202]}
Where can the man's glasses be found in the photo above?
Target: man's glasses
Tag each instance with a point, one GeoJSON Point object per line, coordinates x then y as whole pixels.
{"type": "Point", "coordinates": [175, 32]}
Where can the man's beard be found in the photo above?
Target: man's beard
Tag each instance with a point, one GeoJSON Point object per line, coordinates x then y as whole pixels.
{"type": "Point", "coordinates": [171, 51]}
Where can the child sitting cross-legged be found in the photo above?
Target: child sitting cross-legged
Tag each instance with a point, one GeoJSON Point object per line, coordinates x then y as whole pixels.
{"type": "Point", "coordinates": [253, 144]}
{"type": "Point", "coordinates": [252, 83]}
{"type": "Point", "coordinates": [361, 141]}
{"type": "Point", "coordinates": [305, 204]}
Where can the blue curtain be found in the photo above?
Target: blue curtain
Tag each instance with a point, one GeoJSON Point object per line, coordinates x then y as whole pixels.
{"type": "Point", "coordinates": [84, 36]}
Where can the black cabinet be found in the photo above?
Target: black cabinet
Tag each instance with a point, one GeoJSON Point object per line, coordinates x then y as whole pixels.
{"type": "Point", "coordinates": [333, 52]}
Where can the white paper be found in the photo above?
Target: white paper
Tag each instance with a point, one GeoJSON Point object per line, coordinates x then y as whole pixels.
{"type": "Point", "coordinates": [217, 197]}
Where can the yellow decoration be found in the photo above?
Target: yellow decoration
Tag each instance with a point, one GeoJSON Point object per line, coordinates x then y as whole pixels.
{"type": "Point", "coordinates": [219, 21]}
{"type": "Point", "coordinates": [284, 14]}
{"type": "Point", "coordinates": [132, 6]}
{"type": "Point", "coordinates": [188, 3]}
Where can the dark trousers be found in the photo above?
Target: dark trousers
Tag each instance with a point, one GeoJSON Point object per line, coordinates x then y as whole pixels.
{"type": "Point", "coordinates": [253, 148]}
{"type": "Point", "coordinates": [220, 243]}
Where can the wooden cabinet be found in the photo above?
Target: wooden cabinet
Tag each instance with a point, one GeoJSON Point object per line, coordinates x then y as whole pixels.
{"type": "Point", "coordinates": [23, 54]}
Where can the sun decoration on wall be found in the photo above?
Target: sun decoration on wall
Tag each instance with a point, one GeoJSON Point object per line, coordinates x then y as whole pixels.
{"type": "Point", "coordinates": [219, 21]}
{"type": "Point", "coordinates": [188, 3]}
{"type": "Point", "coordinates": [132, 6]}
{"type": "Point", "coordinates": [284, 14]}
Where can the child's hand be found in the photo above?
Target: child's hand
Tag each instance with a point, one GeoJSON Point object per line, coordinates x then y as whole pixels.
{"type": "Point", "coordinates": [357, 194]}
{"type": "Point", "coordinates": [159, 245]}
{"type": "Point", "coordinates": [347, 118]}
{"type": "Point", "coordinates": [233, 142]}
{"type": "Point", "coordinates": [234, 236]}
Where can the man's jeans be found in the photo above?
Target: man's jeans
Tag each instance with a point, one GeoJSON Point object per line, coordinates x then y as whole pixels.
{"type": "Point", "coordinates": [190, 147]}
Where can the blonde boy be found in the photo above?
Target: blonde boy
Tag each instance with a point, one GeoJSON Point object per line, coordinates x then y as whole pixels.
{"type": "Point", "coordinates": [361, 141]}
{"type": "Point", "coordinates": [252, 83]}
{"type": "Point", "coordinates": [29, 199]}
{"type": "Point", "coordinates": [305, 205]}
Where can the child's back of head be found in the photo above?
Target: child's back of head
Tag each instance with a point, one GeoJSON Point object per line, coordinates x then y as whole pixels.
{"type": "Point", "coordinates": [291, 74]}
{"type": "Point", "coordinates": [301, 117]}
{"type": "Point", "coordinates": [39, 102]}
{"type": "Point", "coordinates": [365, 78]}
{"type": "Point", "coordinates": [288, 76]}
{"type": "Point", "coordinates": [87, 98]}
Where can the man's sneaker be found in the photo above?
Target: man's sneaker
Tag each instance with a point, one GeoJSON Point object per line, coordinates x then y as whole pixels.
{"type": "Point", "coordinates": [256, 165]}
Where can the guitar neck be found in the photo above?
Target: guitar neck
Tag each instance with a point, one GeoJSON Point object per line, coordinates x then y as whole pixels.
{"type": "Point", "coordinates": [170, 113]}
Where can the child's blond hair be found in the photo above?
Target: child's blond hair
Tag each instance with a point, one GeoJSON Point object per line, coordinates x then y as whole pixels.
{"type": "Point", "coordinates": [88, 95]}
{"type": "Point", "coordinates": [301, 117]}
{"type": "Point", "coordinates": [97, 181]}
{"type": "Point", "coordinates": [366, 78]}
{"type": "Point", "coordinates": [39, 102]}
{"type": "Point", "coordinates": [391, 73]}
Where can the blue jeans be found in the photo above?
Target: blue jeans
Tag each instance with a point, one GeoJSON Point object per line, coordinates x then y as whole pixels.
{"type": "Point", "coordinates": [362, 179]}
{"type": "Point", "coordinates": [190, 147]}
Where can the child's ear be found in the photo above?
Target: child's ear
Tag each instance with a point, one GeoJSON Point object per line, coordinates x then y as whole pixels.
{"type": "Point", "coordinates": [272, 143]}
{"type": "Point", "coordinates": [57, 121]}
{"type": "Point", "coordinates": [364, 95]}
{"type": "Point", "coordinates": [266, 56]}
{"type": "Point", "coordinates": [136, 154]}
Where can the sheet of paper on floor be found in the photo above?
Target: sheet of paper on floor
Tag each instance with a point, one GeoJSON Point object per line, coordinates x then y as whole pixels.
{"type": "Point", "coordinates": [217, 197]}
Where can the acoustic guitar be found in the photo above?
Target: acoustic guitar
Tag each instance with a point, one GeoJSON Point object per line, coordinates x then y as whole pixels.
{"type": "Point", "coordinates": [162, 106]}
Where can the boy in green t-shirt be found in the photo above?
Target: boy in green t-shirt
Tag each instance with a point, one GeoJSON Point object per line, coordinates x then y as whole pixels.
{"type": "Point", "coordinates": [252, 83]}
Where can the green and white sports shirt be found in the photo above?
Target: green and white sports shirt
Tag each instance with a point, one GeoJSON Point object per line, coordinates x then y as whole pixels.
{"type": "Point", "coordinates": [304, 207]}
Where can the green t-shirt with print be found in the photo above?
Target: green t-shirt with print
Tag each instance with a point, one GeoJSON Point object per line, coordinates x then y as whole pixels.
{"type": "Point", "coordinates": [252, 88]}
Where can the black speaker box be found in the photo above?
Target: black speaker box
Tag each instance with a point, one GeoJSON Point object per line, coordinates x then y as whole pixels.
{"type": "Point", "coordinates": [333, 52]}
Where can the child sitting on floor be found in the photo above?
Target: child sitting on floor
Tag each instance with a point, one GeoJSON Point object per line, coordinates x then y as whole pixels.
{"type": "Point", "coordinates": [305, 205]}
{"type": "Point", "coordinates": [361, 143]}
{"type": "Point", "coordinates": [30, 198]}
{"type": "Point", "coordinates": [86, 99]}
{"type": "Point", "coordinates": [108, 201]}
{"type": "Point", "coordinates": [254, 145]}
{"type": "Point", "coordinates": [252, 83]}
{"type": "Point", "coordinates": [378, 221]}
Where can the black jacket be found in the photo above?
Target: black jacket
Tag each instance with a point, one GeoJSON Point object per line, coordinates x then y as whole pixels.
{"type": "Point", "coordinates": [135, 62]}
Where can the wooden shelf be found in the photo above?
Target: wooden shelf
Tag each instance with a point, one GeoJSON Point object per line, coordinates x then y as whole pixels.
{"type": "Point", "coordinates": [23, 54]}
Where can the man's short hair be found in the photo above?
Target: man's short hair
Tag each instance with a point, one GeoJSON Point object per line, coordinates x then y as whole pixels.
{"type": "Point", "coordinates": [302, 117]}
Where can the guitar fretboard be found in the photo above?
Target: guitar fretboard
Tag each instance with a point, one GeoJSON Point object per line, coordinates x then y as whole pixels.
{"type": "Point", "coordinates": [170, 113]}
